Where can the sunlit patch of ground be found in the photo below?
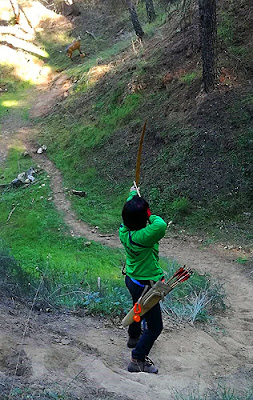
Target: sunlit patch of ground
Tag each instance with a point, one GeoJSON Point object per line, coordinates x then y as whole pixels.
{"type": "Point", "coordinates": [34, 11]}
{"type": "Point", "coordinates": [97, 72]}
{"type": "Point", "coordinates": [25, 66]}
{"type": "Point", "coordinates": [18, 49]}
{"type": "Point", "coordinates": [5, 11]}
{"type": "Point", "coordinates": [24, 45]}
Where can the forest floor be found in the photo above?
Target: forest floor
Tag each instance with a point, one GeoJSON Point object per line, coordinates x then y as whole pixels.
{"type": "Point", "coordinates": [88, 357]}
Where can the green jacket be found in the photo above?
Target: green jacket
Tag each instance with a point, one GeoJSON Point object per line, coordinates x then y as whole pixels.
{"type": "Point", "coordinates": [142, 248]}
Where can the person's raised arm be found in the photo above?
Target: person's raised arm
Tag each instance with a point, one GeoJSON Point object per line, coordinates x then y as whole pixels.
{"type": "Point", "coordinates": [133, 192]}
{"type": "Point", "coordinates": [153, 232]}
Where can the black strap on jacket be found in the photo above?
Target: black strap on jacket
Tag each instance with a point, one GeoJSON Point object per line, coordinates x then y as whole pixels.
{"type": "Point", "coordinates": [136, 244]}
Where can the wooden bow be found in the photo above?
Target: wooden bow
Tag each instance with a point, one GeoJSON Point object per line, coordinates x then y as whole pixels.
{"type": "Point", "coordinates": [138, 161]}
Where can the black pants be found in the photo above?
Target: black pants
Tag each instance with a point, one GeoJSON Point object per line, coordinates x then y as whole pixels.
{"type": "Point", "coordinates": [154, 324]}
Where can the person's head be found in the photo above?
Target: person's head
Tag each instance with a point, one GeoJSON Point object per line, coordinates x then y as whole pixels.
{"type": "Point", "coordinates": [134, 213]}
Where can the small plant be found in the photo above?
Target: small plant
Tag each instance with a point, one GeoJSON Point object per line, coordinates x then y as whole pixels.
{"type": "Point", "coordinates": [113, 302]}
{"type": "Point", "coordinates": [239, 51]}
{"type": "Point", "coordinates": [180, 207]}
{"type": "Point", "coordinates": [242, 260]}
{"type": "Point", "coordinates": [220, 393]}
{"type": "Point", "coordinates": [189, 78]}
{"type": "Point", "coordinates": [195, 300]}
{"type": "Point", "coordinates": [23, 392]}
{"type": "Point", "coordinates": [226, 29]}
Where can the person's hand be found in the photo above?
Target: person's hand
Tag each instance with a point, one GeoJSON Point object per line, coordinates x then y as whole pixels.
{"type": "Point", "coordinates": [149, 213]}
{"type": "Point", "coordinates": [134, 189]}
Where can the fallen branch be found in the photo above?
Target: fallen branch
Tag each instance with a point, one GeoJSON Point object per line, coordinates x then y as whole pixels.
{"type": "Point", "coordinates": [91, 34]}
{"type": "Point", "coordinates": [12, 211]}
{"type": "Point", "coordinates": [4, 185]}
{"type": "Point", "coordinates": [106, 235]}
{"type": "Point", "coordinates": [79, 193]}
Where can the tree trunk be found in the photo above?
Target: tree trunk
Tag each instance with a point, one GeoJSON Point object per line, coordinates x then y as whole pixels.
{"type": "Point", "coordinates": [135, 21]}
{"type": "Point", "coordinates": [208, 37]}
{"type": "Point", "coordinates": [150, 10]}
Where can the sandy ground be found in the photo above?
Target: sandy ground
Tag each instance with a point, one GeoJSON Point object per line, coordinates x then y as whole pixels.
{"type": "Point", "coordinates": [79, 352]}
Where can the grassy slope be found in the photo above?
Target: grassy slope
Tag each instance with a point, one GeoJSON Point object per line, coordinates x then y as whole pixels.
{"type": "Point", "coordinates": [197, 156]}
{"type": "Point", "coordinates": [42, 248]}
{"type": "Point", "coordinates": [39, 240]}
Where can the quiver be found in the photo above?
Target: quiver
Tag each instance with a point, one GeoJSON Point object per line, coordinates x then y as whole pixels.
{"type": "Point", "coordinates": [157, 292]}
{"type": "Point", "coordinates": [148, 300]}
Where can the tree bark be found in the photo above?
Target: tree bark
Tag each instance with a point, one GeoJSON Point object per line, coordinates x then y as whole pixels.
{"type": "Point", "coordinates": [150, 10]}
{"type": "Point", "coordinates": [208, 37]}
{"type": "Point", "coordinates": [135, 21]}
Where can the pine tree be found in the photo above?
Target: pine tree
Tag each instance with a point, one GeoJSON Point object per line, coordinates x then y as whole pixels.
{"type": "Point", "coordinates": [150, 10]}
{"type": "Point", "coordinates": [208, 36]}
{"type": "Point", "coordinates": [135, 21]}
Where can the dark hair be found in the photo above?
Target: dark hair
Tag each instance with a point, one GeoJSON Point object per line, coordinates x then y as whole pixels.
{"type": "Point", "coordinates": [134, 213]}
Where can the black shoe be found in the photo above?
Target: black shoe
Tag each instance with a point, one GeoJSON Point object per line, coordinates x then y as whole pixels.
{"type": "Point", "coordinates": [142, 366]}
{"type": "Point", "coordinates": [149, 366]}
{"type": "Point", "coordinates": [132, 342]}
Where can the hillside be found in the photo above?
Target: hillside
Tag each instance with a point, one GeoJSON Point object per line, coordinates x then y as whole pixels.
{"type": "Point", "coordinates": [197, 156]}
{"type": "Point", "coordinates": [62, 292]}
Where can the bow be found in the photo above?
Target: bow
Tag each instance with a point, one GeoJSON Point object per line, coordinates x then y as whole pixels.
{"type": "Point", "coordinates": [138, 161]}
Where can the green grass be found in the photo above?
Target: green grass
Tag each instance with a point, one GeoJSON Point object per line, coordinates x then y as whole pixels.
{"type": "Point", "coordinates": [72, 151]}
{"type": "Point", "coordinates": [190, 77]}
{"type": "Point", "coordinates": [66, 269]}
{"type": "Point", "coordinates": [40, 241]}
{"type": "Point", "coordinates": [242, 260]}
{"type": "Point", "coordinates": [226, 29]}
{"type": "Point", "coordinates": [197, 299]}
{"type": "Point", "coordinates": [229, 36]}
{"type": "Point", "coordinates": [77, 137]}
{"type": "Point", "coordinates": [13, 99]}
{"type": "Point", "coordinates": [22, 392]}
{"type": "Point", "coordinates": [77, 149]}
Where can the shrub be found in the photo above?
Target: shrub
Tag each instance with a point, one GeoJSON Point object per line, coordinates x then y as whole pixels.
{"type": "Point", "coordinates": [195, 300]}
{"type": "Point", "coordinates": [180, 207]}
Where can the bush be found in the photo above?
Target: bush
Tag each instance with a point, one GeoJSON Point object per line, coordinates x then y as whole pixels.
{"type": "Point", "coordinates": [180, 207]}
{"type": "Point", "coordinates": [195, 300]}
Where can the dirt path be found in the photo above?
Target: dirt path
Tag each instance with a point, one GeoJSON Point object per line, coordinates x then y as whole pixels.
{"type": "Point", "coordinates": [86, 355]}
{"type": "Point", "coordinates": [70, 351]}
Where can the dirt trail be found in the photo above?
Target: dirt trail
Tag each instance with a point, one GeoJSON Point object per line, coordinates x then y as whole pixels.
{"type": "Point", "coordinates": [86, 354]}
{"type": "Point", "coordinates": [71, 351]}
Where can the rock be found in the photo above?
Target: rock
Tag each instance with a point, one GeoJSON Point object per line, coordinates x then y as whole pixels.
{"type": "Point", "coordinates": [41, 149]}
{"type": "Point", "coordinates": [65, 341]}
{"type": "Point", "coordinates": [16, 182]}
{"type": "Point", "coordinates": [22, 177]}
